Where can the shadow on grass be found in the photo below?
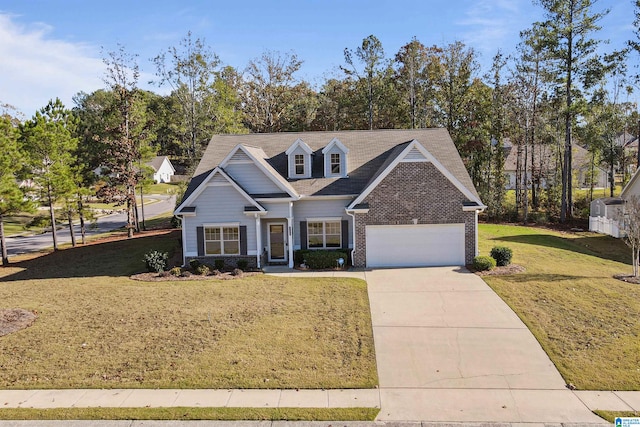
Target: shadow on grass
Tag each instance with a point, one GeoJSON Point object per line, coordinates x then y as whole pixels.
{"type": "Point", "coordinates": [122, 257]}
{"type": "Point", "coordinates": [605, 247]}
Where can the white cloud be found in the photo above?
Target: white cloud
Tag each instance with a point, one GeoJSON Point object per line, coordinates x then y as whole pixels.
{"type": "Point", "coordinates": [36, 67]}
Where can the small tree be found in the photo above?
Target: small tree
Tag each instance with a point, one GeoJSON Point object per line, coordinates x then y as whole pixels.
{"type": "Point", "coordinates": [631, 227]}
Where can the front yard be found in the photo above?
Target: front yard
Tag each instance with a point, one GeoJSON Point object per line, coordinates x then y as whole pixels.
{"type": "Point", "coordinates": [587, 321]}
{"type": "Point", "coordinates": [96, 328]}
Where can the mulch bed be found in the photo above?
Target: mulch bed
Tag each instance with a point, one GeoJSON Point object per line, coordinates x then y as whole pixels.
{"type": "Point", "coordinates": [501, 271]}
{"type": "Point", "coordinates": [15, 319]}
{"type": "Point", "coordinates": [155, 277]}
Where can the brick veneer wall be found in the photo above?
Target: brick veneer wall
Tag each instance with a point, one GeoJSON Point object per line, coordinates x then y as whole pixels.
{"type": "Point", "coordinates": [414, 190]}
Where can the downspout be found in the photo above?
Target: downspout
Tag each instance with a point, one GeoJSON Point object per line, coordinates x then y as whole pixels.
{"type": "Point", "coordinates": [184, 240]}
{"type": "Point", "coordinates": [353, 223]}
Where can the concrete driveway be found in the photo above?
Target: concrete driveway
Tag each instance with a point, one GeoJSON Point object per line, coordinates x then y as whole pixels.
{"type": "Point", "coordinates": [449, 349]}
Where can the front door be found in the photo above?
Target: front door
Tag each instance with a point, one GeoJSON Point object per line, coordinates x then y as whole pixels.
{"type": "Point", "coordinates": [277, 239]}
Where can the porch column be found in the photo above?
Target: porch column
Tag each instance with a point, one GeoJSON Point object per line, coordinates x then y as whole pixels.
{"type": "Point", "coordinates": [258, 240]}
{"type": "Point", "coordinates": [290, 234]}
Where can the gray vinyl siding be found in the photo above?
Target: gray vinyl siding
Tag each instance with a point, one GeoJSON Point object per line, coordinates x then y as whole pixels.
{"type": "Point", "coordinates": [319, 209]}
{"type": "Point", "coordinates": [251, 178]}
{"type": "Point", "coordinates": [219, 204]}
{"type": "Point", "coordinates": [276, 210]}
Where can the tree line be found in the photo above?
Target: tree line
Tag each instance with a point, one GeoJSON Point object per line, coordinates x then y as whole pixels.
{"type": "Point", "coordinates": [555, 91]}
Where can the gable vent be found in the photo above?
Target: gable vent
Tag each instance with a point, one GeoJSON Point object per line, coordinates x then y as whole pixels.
{"type": "Point", "coordinates": [239, 156]}
{"type": "Point", "coordinates": [414, 156]}
{"type": "Point", "coordinates": [218, 179]}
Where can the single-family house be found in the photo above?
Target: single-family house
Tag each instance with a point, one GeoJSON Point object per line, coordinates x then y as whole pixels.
{"type": "Point", "coordinates": [544, 160]}
{"type": "Point", "coordinates": [389, 197]}
{"type": "Point", "coordinates": [163, 170]}
{"type": "Point", "coordinates": [606, 215]}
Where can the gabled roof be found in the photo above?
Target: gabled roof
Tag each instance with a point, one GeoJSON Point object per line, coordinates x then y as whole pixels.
{"type": "Point", "coordinates": [417, 152]}
{"type": "Point", "coordinates": [258, 156]}
{"type": "Point", "coordinates": [186, 204]}
{"type": "Point", "coordinates": [368, 152]}
{"type": "Point", "coordinates": [299, 143]}
{"type": "Point", "coordinates": [157, 161]}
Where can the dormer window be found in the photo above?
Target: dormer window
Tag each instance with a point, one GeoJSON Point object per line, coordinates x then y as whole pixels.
{"type": "Point", "coordinates": [335, 159]}
{"type": "Point", "coordinates": [299, 164]}
{"type": "Point", "coordinates": [299, 160]}
{"type": "Point", "coordinates": [335, 163]}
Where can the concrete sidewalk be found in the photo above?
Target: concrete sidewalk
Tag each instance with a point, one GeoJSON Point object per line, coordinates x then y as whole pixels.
{"type": "Point", "coordinates": [166, 398]}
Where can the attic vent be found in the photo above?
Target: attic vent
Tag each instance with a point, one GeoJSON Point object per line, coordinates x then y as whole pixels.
{"type": "Point", "coordinates": [239, 156]}
{"type": "Point", "coordinates": [414, 156]}
{"type": "Point", "coordinates": [218, 179]}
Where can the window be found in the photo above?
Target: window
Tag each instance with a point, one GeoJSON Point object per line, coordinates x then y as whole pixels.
{"type": "Point", "coordinates": [335, 163]}
{"type": "Point", "coordinates": [324, 234]}
{"type": "Point", "coordinates": [299, 164]}
{"type": "Point", "coordinates": [221, 240]}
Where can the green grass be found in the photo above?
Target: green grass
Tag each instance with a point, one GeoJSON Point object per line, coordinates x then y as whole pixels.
{"type": "Point", "coordinates": [96, 328]}
{"type": "Point", "coordinates": [185, 414]}
{"type": "Point", "coordinates": [587, 321]}
{"type": "Point", "coordinates": [612, 415]}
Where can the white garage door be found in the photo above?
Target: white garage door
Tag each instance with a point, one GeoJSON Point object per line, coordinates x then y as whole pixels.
{"type": "Point", "coordinates": [415, 245]}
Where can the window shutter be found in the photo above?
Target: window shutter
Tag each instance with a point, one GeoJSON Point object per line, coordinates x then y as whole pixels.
{"type": "Point", "coordinates": [303, 234]}
{"type": "Point", "coordinates": [200, 235]}
{"type": "Point", "coordinates": [243, 240]}
{"type": "Point", "coordinates": [345, 234]}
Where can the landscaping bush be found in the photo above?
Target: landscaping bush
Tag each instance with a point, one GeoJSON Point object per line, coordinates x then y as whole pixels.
{"type": "Point", "coordinates": [242, 264]}
{"type": "Point", "coordinates": [176, 271]}
{"type": "Point", "coordinates": [156, 261]}
{"type": "Point", "coordinates": [319, 259]}
{"type": "Point", "coordinates": [483, 263]}
{"type": "Point", "coordinates": [219, 264]}
{"type": "Point", "coordinates": [203, 270]}
{"type": "Point", "coordinates": [194, 264]}
{"type": "Point", "coordinates": [237, 272]}
{"type": "Point", "coordinates": [502, 255]}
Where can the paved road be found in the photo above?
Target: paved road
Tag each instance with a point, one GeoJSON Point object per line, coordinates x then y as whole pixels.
{"type": "Point", "coordinates": [27, 244]}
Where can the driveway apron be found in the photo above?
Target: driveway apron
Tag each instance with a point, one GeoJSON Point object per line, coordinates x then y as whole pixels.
{"type": "Point", "coordinates": [449, 349]}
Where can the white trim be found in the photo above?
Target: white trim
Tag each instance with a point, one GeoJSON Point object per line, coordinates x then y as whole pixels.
{"type": "Point", "coordinates": [329, 218]}
{"type": "Point", "coordinates": [324, 222]}
{"type": "Point", "coordinates": [299, 143]}
{"type": "Point", "coordinates": [221, 227]}
{"type": "Point", "coordinates": [221, 224]}
{"type": "Point", "coordinates": [473, 208]}
{"type": "Point", "coordinates": [353, 249]}
{"type": "Point", "coordinates": [335, 142]}
{"type": "Point", "coordinates": [284, 241]}
{"type": "Point", "coordinates": [290, 234]}
{"type": "Point", "coordinates": [184, 244]}
{"type": "Point", "coordinates": [329, 197]}
{"type": "Point", "coordinates": [258, 241]}
{"type": "Point", "coordinates": [415, 144]}
{"type": "Point", "coordinates": [205, 184]}
{"type": "Point", "coordinates": [274, 199]}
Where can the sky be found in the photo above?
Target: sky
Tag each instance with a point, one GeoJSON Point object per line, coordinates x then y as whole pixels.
{"type": "Point", "coordinates": [52, 49]}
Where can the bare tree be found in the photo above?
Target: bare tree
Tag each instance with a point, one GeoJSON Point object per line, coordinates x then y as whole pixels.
{"type": "Point", "coordinates": [631, 225]}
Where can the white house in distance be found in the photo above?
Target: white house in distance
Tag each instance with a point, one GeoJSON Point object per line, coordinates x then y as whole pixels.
{"type": "Point", "coordinates": [163, 170]}
{"type": "Point", "coordinates": [606, 215]}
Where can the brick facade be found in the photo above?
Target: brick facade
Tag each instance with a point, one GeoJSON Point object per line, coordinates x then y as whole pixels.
{"type": "Point", "coordinates": [414, 190]}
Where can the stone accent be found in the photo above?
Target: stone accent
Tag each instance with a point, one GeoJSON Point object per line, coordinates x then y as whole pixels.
{"type": "Point", "coordinates": [414, 190]}
{"type": "Point", "coordinates": [229, 261]}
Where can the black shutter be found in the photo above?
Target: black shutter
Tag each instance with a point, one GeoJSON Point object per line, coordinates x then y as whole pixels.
{"type": "Point", "coordinates": [200, 235]}
{"type": "Point", "coordinates": [243, 240]}
{"type": "Point", "coordinates": [345, 234]}
{"type": "Point", "coordinates": [303, 234]}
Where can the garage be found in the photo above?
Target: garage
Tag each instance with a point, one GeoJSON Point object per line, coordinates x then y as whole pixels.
{"type": "Point", "coordinates": [421, 245]}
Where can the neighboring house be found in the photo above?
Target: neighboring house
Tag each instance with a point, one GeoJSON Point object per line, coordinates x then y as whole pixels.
{"type": "Point", "coordinates": [606, 215]}
{"type": "Point", "coordinates": [391, 197]}
{"type": "Point", "coordinates": [581, 163]}
{"type": "Point", "coordinates": [163, 170]}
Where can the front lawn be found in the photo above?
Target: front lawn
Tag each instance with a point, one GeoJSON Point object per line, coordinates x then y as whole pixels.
{"type": "Point", "coordinates": [587, 321]}
{"type": "Point", "coordinates": [96, 328]}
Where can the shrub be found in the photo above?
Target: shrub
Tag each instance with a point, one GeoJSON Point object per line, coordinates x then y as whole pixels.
{"type": "Point", "coordinates": [219, 264]}
{"type": "Point", "coordinates": [194, 264]}
{"type": "Point", "coordinates": [156, 261]}
{"type": "Point", "coordinates": [236, 272]}
{"type": "Point", "coordinates": [483, 263]}
{"type": "Point", "coordinates": [216, 272]}
{"type": "Point", "coordinates": [186, 274]}
{"type": "Point", "coordinates": [502, 255]}
{"type": "Point", "coordinates": [319, 259]}
{"type": "Point", "coordinates": [203, 270]}
{"type": "Point", "coordinates": [242, 264]}
{"type": "Point", "coordinates": [176, 271]}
